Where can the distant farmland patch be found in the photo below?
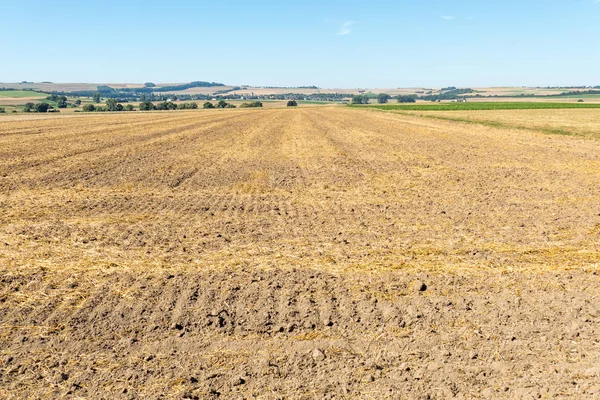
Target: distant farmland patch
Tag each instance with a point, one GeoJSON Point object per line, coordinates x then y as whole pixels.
{"type": "Point", "coordinates": [19, 94]}
{"type": "Point", "coordinates": [481, 106]}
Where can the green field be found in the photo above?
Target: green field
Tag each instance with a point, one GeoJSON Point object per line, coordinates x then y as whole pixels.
{"type": "Point", "coordinates": [18, 94]}
{"type": "Point", "coordinates": [478, 106]}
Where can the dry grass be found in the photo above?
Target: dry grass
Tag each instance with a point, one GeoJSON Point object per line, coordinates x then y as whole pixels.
{"type": "Point", "coordinates": [578, 122]}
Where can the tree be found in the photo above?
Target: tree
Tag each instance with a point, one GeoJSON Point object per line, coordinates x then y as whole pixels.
{"type": "Point", "coordinates": [383, 98]}
{"type": "Point", "coordinates": [146, 106]}
{"type": "Point", "coordinates": [78, 102]}
{"type": "Point", "coordinates": [28, 107]}
{"type": "Point", "coordinates": [208, 104]}
{"type": "Point", "coordinates": [129, 107]}
{"type": "Point", "coordinates": [411, 98]}
{"type": "Point", "coordinates": [111, 105]}
{"type": "Point", "coordinates": [97, 97]}
{"type": "Point", "coordinates": [292, 103]}
{"type": "Point", "coordinates": [187, 106]}
{"type": "Point", "coordinates": [221, 104]}
{"type": "Point", "coordinates": [89, 108]}
{"type": "Point", "coordinates": [360, 99]}
{"type": "Point", "coordinates": [2, 110]}
{"type": "Point", "coordinates": [61, 103]}
{"type": "Point", "coordinates": [166, 105]}
{"type": "Point", "coordinates": [41, 107]}
{"type": "Point", "coordinates": [149, 85]}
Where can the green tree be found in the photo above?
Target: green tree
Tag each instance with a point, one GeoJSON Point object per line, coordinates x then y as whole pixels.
{"type": "Point", "coordinates": [411, 98]}
{"type": "Point", "coordinates": [383, 98]}
{"type": "Point", "coordinates": [78, 102]}
{"type": "Point", "coordinates": [292, 103]}
{"type": "Point", "coordinates": [96, 97]}
{"type": "Point", "coordinates": [89, 108]}
{"type": "Point", "coordinates": [166, 105]}
{"type": "Point", "coordinates": [221, 104]}
{"type": "Point", "coordinates": [61, 103]}
{"type": "Point", "coordinates": [129, 107]}
{"type": "Point", "coordinates": [111, 105]}
{"type": "Point", "coordinates": [146, 106]}
{"type": "Point", "coordinates": [208, 104]}
{"type": "Point", "coordinates": [41, 107]}
{"type": "Point", "coordinates": [28, 107]}
{"type": "Point", "coordinates": [360, 99]}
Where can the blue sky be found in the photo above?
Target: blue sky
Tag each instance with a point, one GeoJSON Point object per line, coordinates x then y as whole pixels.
{"type": "Point", "coordinates": [335, 44]}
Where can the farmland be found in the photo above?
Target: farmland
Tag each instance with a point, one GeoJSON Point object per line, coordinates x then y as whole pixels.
{"type": "Point", "coordinates": [481, 105]}
{"type": "Point", "coordinates": [20, 94]}
{"type": "Point", "coordinates": [300, 253]}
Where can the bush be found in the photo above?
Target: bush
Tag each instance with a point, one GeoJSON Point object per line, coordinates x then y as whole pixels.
{"type": "Point", "coordinates": [252, 104]}
{"type": "Point", "coordinates": [77, 102]}
{"type": "Point", "coordinates": [208, 104]}
{"type": "Point", "coordinates": [224, 104]}
{"type": "Point", "coordinates": [146, 106]}
{"type": "Point", "coordinates": [53, 110]}
{"type": "Point", "coordinates": [187, 106]}
{"type": "Point", "coordinates": [292, 103]}
{"type": "Point", "coordinates": [89, 108]}
{"type": "Point", "coordinates": [2, 110]}
{"type": "Point", "coordinates": [129, 107]}
{"type": "Point", "coordinates": [166, 105]}
{"type": "Point", "coordinates": [580, 101]}
{"type": "Point", "coordinates": [149, 84]}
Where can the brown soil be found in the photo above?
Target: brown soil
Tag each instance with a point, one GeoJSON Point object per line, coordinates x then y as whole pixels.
{"type": "Point", "coordinates": [296, 253]}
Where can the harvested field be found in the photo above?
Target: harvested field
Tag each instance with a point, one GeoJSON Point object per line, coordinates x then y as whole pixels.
{"type": "Point", "coordinates": [323, 252]}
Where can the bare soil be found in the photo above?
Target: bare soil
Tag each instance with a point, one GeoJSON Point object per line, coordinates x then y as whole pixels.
{"type": "Point", "coordinates": [296, 253]}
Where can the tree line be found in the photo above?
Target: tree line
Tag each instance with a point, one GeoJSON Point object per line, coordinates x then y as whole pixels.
{"type": "Point", "coordinates": [114, 105]}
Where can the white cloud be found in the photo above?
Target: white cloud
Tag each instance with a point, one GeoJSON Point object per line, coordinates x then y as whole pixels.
{"type": "Point", "coordinates": [448, 17]}
{"type": "Point", "coordinates": [345, 28]}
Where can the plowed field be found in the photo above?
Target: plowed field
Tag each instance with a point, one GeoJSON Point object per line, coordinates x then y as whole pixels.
{"type": "Point", "coordinates": [319, 252]}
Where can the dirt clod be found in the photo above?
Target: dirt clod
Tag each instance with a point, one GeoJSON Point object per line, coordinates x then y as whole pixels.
{"type": "Point", "coordinates": [318, 355]}
{"type": "Point", "coordinates": [419, 286]}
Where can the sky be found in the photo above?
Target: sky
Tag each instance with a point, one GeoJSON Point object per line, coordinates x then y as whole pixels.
{"type": "Point", "coordinates": [330, 44]}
